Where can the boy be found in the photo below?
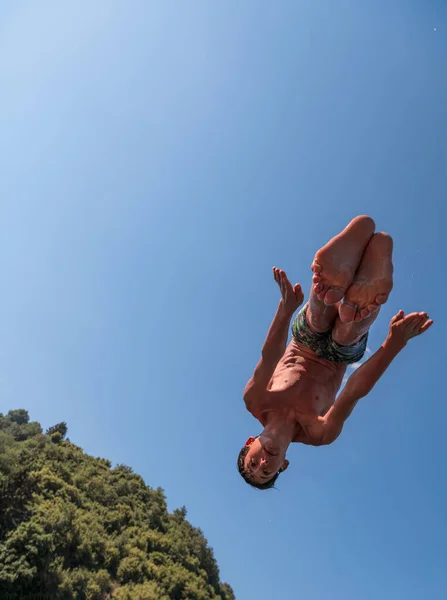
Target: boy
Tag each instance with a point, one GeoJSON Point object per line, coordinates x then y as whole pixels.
{"type": "Point", "coordinates": [292, 391]}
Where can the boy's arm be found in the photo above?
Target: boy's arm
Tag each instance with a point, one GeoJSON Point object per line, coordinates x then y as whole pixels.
{"type": "Point", "coordinates": [276, 340]}
{"type": "Point", "coordinates": [273, 348]}
{"type": "Point", "coordinates": [362, 381]}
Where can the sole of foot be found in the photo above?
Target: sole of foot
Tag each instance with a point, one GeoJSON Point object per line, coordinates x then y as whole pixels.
{"type": "Point", "coordinates": [372, 283]}
{"type": "Point", "coordinates": [335, 264]}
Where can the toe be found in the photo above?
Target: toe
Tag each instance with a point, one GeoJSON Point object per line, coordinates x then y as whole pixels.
{"type": "Point", "coordinates": [333, 295]}
{"type": "Point", "coordinates": [381, 298]}
{"type": "Point", "coordinates": [364, 313]}
{"type": "Point", "coordinates": [347, 312]}
{"type": "Point", "coordinates": [321, 293]}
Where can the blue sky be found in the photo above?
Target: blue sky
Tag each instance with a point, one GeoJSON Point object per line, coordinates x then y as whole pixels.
{"type": "Point", "coordinates": [157, 160]}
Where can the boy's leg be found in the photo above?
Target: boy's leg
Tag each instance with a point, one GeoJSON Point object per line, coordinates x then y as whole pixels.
{"type": "Point", "coordinates": [334, 268]}
{"type": "Point", "coordinates": [373, 281]}
{"type": "Point", "coordinates": [320, 317]}
{"type": "Point", "coordinates": [348, 334]}
{"type": "Point", "coordinates": [335, 264]}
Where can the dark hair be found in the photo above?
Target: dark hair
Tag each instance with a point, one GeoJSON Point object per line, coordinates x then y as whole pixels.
{"type": "Point", "coordinates": [267, 485]}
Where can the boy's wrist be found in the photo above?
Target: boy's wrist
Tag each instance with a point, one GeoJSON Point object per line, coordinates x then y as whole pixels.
{"type": "Point", "coordinates": [287, 311]}
{"type": "Point", "coordinates": [395, 343]}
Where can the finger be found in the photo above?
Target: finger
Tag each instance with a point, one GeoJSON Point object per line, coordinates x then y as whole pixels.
{"type": "Point", "coordinates": [282, 283]}
{"type": "Point", "coordinates": [413, 315]}
{"type": "Point", "coordinates": [286, 281]}
{"type": "Point", "coordinates": [398, 317]}
{"type": "Point", "coordinates": [426, 326]}
{"type": "Point", "coordinates": [413, 325]}
{"type": "Point", "coordinates": [297, 290]}
{"type": "Point", "coordinates": [275, 274]}
{"type": "Point", "coordinates": [417, 324]}
{"type": "Point", "coordinates": [423, 319]}
{"type": "Point", "coordinates": [419, 317]}
{"type": "Point", "coordinates": [410, 319]}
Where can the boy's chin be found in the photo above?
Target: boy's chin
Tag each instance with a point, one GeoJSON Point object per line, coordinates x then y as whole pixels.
{"type": "Point", "coordinates": [271, 448]}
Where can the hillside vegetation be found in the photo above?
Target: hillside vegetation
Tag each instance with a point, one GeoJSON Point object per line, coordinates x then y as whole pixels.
{"type": "Point", "coordinates": [74, 528]}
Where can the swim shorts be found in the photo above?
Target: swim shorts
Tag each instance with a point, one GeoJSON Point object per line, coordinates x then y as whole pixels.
{"type": "Point", "coordinates": [322, 343]}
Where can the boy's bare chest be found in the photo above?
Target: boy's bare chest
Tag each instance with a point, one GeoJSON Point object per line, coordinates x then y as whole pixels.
{"type": "Point", "coordinates": [308, 392]}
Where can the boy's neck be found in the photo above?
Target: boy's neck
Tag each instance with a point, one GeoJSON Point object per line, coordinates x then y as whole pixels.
{"type": "Point", "coordinates": [280, 428]}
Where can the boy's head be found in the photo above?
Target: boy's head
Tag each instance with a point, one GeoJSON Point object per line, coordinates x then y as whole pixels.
{"type": "Point", "coordinates": [261, 461]}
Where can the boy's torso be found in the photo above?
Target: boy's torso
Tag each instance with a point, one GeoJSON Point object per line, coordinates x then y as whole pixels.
{"type": "Point", "coordinates": [304, 384]}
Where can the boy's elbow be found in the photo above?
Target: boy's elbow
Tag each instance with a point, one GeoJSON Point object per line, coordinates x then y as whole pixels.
{"type": "Point", "coordinates": [330, 433]}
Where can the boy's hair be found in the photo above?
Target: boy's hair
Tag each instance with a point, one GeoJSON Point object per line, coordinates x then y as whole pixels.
{"type": "Point", "coordinates": [267, 485]}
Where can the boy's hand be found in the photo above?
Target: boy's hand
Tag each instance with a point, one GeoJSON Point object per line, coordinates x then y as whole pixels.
{"type": "Point", "coordinates": [403, 328]}
{"type": "Point", "coordinates": [292, 297]}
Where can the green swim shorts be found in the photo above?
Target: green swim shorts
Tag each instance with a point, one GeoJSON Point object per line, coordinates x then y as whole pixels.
{"type": "Point", "coordinates": [322, 343]}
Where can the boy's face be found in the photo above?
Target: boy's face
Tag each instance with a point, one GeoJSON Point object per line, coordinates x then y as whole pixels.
{"type": "Point", "coordinates": [264, 459]}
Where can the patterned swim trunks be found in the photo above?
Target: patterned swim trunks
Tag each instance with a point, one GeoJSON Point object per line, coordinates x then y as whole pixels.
{"type": "Point", "coordinates": [322, 343]}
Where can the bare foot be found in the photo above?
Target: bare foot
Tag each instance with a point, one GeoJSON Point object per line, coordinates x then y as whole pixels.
{"type": "Point", "coordinates": [335, 264]}
{"type": "Point", "coordinates": [373, 281]}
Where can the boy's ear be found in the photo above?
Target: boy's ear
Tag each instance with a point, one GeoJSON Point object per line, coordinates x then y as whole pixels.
{"type": "Point", "coordinates": [285, 464]}
{"type": "Point", "coordinates": [250, 441]}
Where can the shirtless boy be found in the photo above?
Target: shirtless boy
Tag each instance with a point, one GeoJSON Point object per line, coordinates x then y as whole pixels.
{"type": "Point", "coordinates": [292, 391]}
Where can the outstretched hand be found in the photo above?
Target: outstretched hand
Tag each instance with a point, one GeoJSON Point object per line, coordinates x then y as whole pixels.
{"type": "Point", "coordinates": [403, 328]}
{"type": "Point", "coordinates": [292, 297]}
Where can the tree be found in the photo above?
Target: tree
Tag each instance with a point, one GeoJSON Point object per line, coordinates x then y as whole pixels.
{"type": "Point", "coordinates": [60, 428]}
{"type": "Point", "coordinates": [19, 416]}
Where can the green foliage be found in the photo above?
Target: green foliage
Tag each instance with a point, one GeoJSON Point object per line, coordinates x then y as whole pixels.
{"type": "Point", "coordinates": [73, 528]}
{"type": "Point", "coordinates": [17, 424]}
{"type": "Point", "coordinates": [19, 416]}
{"type": "Point", "coordinates": [60, 428]}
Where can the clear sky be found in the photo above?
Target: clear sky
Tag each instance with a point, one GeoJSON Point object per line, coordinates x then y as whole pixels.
{"type": "Point", "coordinates": [157, 159]}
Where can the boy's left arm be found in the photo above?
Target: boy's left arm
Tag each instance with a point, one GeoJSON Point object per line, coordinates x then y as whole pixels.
{"type": "Point", "coordinates": [362, 381]}
{"type": "Point", "coordinates": [276, 340]}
